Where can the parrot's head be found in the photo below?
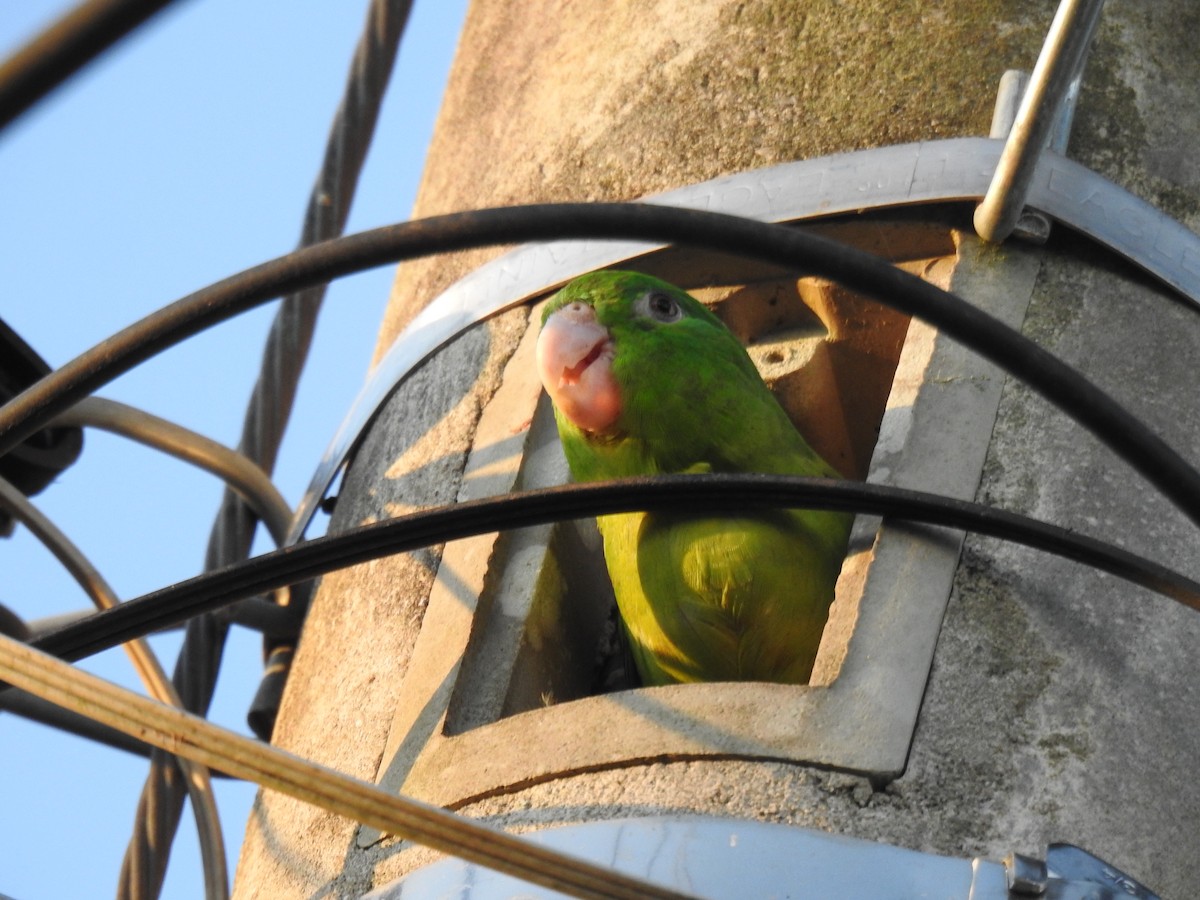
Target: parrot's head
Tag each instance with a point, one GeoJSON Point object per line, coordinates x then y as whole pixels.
{"type": "Point", "coordinates": [624, 354]}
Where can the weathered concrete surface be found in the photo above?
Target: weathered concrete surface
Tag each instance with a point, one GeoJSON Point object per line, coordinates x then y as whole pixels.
{"type": "Point", "coordinates": [353, 655]}
{"type": "Point", "coordinates": [557, 101]}
{"type": "Point", "coordinates": [1062, 705]}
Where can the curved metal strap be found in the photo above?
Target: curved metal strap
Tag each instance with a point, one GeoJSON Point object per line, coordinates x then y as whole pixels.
{"type": "Point", "coordinates": [959, 169]}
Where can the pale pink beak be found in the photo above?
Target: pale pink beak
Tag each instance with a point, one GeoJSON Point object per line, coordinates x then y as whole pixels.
{"type": "Point", "coordinates": [574, 358]}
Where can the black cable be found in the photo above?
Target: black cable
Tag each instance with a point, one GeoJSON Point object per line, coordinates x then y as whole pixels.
{"type": "Point", "coordinates": [35, 709]}
{"type": "Point", "coordinates": [713, 494]}
{"type": "Point", "coordinates": [855, 269]}
{"type": "Point", "coordinates": [65, 47]}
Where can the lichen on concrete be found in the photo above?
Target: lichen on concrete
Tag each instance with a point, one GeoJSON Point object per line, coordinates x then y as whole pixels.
{"type": "Point", "coordinates": [615, 102]}
{"type": "Point", "coordinates": [1099, 727]}
{"type": "Point", "coordinates": [1134, 123]}
{"type": "Point", "coordinates": [794, 80]}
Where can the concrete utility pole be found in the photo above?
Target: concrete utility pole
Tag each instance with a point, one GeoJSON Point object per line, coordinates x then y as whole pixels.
{"type": "Point", "coordinates": [976, 698]}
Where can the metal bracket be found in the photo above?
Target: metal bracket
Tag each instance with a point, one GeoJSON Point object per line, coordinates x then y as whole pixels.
{"type": "Point", "coordinates": [1044, 114]}
{"type": "Point", "coordinates": [1072, 872]}
{"type": "Point", "coordinates": [737, 858]}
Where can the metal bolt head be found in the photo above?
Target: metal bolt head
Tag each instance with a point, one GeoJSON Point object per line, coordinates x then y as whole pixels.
{"type": "Point", "coordinates": [1026, 876]}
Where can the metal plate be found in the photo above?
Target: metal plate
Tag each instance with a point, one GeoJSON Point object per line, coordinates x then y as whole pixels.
{"type": "Point", "coordinates": [719, 858]}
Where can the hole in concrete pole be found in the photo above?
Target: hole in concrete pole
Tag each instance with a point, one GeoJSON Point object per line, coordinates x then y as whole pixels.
{"type": "Point", "coordinates": [828, 355]}
{"type": "Point", "coordinates": [506, 687]}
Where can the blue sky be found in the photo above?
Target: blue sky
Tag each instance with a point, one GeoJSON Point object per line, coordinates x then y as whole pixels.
{"type": "Point", "coordinates": [182, 156]}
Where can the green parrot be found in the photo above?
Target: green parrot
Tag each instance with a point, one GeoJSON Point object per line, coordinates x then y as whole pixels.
{"type": "Point", "coordinates": [646, 380]}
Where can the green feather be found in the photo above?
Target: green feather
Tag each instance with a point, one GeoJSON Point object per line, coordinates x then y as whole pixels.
{"type": "Point", "coordinates": [703, 598]}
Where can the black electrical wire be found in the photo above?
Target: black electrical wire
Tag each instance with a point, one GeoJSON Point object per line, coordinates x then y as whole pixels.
{"type": "Point", "coordinates": [65, 47]}
{"type": "Point", "coordinates": [35, 709]}
{"type": "Point", "coordinates": [712, 494]}
{"type": "Point", "coordinates": [781, 245]}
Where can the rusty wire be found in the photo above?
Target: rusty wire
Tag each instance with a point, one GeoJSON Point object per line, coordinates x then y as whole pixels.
{"type": "Point", "coordinates": [196, 669]}
{"type": "Point", "coordinates": [64, 47]}
{"type": "Point", "coordinates": [360, 801]}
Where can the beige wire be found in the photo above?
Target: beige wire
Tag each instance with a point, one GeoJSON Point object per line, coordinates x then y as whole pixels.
{"type": "Point", "coordinates": [186, 735]}
{"type": "Point", "coordinates": [238, 471]}
{"type": "Point", "coordinates": [197, 778]}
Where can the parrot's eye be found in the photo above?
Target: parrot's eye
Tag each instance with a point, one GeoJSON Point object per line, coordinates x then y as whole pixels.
{"type": "Point", "coordinates": [660, 306]}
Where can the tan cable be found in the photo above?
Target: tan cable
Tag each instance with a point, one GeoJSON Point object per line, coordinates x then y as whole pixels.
{"type": "Point", "coordinates": [196, 777]}
{"type": "Point", "coordinates": [192, 737]}
{"type": "Point", "coordinates": [243, 475]}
